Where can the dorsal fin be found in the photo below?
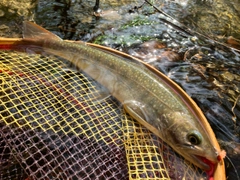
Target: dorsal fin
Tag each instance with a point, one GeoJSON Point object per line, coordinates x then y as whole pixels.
{"type": "Point", "coordinates": [34, 31]}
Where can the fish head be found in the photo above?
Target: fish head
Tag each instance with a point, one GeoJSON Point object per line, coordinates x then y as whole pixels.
{"type": "Point", "coordinates": [189, 139]}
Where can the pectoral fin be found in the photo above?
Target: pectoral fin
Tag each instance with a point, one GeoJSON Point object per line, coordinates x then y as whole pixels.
{"type": "Point", "coordinates": [139, 112]}
{"type": "Point", "coordinates": [136, 110]}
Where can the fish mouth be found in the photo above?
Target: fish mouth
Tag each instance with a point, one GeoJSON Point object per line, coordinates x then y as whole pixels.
{"type": "Point", "coordinates": [204, 163]}
{"type": "Point", "coordinates": [199, 158]}
{"type": "Point", "coordinates": [207, 165]}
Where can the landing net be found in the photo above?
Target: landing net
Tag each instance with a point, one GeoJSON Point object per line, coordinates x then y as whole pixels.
{"type": "Point", "coordinates": [55, 125]}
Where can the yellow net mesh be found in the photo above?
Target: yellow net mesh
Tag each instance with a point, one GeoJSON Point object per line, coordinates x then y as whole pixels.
{"type": "Point", "coordinates": [54, 124]}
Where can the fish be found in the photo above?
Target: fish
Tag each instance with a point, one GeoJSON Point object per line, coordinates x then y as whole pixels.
{"type": "Point", "coordinates": [148, 96]}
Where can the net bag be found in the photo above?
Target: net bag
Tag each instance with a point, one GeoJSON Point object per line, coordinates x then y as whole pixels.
{"type": "Point", "coordinates": [54, 124]}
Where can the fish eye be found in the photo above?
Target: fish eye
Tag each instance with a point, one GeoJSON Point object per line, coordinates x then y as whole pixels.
{"type": "Point", "coordinates": [194, 137]}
